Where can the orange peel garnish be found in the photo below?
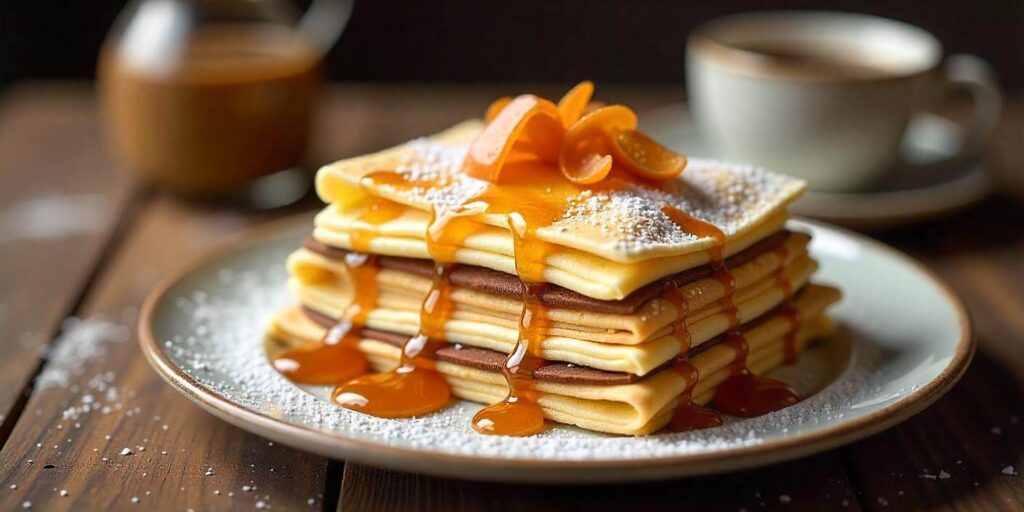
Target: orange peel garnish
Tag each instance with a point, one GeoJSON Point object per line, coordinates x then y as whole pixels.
{"type": "Point", "coordinates": [572, 106]}
{"type": "Point", "coordinates": [586, 138]}
{"type": "Point", "coordinates": [496, 107]}
{"type": "Point", "coordinates": [529, 122]}
{"type": "Point", "coordinates": [585, 156]}
{"type": "Point", "coordinates": [645, 157]}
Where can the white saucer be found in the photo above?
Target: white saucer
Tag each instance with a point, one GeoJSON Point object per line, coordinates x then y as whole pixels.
{"type": "Point", "coordinates": [907, 198]}
{"type": "Point", "coordinates": [904, 340]}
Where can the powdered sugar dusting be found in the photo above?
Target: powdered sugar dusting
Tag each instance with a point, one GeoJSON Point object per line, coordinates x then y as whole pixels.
{"type": "Point", "coordinates": [732, 197]}
{"type": "Point", "coordinates": [214, 326]}
{"type": "Point", "coordinates": [435, 163]}
{"type": "Point", "coordinates": [80, 342]}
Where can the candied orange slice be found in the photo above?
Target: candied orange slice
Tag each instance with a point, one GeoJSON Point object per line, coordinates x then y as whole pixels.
{"type": "Point", "coordinates": [645, 157]}
{"type": "Point", "coordinates": [495, 108]}
{"type": "Point", "coordinates": [530, 123]}
{"type": "Point", "coordinates": [591, 169]}
{"type": "Point", "coordinates": [574, 103]}
{"type": "Point", "coordinates": [584, 157]}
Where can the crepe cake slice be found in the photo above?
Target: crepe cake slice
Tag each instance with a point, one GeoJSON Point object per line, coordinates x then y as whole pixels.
{"type": "Point", "coordinates": [610, 402]}
{"type": "Point", "coordinates": [636, 341]}
{"type": "Point", "coordinates": [583, 203]}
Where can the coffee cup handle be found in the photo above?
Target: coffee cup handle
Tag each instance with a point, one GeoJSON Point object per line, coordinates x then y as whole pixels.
{"type": "Point", "coordinates": [974, 76]}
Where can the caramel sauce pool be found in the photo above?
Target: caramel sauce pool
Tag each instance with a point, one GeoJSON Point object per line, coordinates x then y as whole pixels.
{"type": "Point", "coordinates": [336, 359]}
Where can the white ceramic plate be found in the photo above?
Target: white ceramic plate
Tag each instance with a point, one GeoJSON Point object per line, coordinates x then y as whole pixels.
{"type": "Point", "coordinates": [906, 196]}
{"type": "Point", "coordinates": [904, 342]}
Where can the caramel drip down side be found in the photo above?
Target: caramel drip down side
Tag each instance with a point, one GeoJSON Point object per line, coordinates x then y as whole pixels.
{"type": "Point", "coordinates": [688, 414]}
{"type": "Point", "coordinates": [365, 228]}
{"type": "Point", "coordinates": [414, 387]}
{"type": "Point", "coordinates": [743, 393]}
{"type": "Point", "coordinates": [335, 359]}
{"type": "Point", "coordinates": [519, 414]}
{"type": "Point", "coordinates": [787, 308]}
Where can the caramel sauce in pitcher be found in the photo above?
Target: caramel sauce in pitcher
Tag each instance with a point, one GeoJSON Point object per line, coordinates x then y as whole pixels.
{"type": "Point", "coordinates": [230, 104]}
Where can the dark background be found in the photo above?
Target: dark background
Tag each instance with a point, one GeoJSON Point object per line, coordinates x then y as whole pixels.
{"type": "Point", "coordinates": [509, 40]}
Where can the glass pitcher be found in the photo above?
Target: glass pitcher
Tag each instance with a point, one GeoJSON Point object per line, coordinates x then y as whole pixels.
{"type": "Point", "coordinates": [204, 97]}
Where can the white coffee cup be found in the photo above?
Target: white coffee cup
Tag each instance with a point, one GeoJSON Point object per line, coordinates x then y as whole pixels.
{"type": "Point", "coordinates": [825, 96]}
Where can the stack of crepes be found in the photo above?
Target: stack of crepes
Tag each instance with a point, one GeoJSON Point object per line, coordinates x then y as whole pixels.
{"type": "Point", "coordinates": [620, 304]}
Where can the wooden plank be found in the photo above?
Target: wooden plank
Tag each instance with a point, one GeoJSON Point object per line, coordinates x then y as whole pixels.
{"type": "Point", "coordinates": [59, 205]}
{"type": "Point", "coordinates": [816, 483]}
{"type": "Point", "coordinates": [175, 445]}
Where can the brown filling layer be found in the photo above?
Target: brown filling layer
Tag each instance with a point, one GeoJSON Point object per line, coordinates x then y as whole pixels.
{"type": "Point", "coordinates": [500, 283]}
{"type": "Point", "coordinates": [491, 361]}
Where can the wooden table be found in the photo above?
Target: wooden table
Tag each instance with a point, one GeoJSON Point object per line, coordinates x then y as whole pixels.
{"type": "Point", "coordinates": [79, 239]}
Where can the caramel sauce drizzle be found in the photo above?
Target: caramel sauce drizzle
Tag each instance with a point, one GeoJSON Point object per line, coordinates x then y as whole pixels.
{"type": "Point", "coordinates": [519, 414]}
{"type": "Point", "coordinates": [745, 394]}
{"type": "Point", "coordinates": [787, 308]}
{"type": "Point", "coordinates": [414, 387]}
{"type": "Point", "coordinates": [336, 359]}
{"type": "Point", "coordinates": [689, 415]}
{"type": "Point", "coordinates": [365, 228]}
{"type": "Point", "coordinates": [742, 393]}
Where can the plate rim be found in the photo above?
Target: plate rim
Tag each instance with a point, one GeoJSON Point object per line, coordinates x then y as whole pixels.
{"type": "Point", "coordinates": [539, 470]}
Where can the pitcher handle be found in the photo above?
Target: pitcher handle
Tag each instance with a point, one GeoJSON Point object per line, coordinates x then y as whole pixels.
{"type": "Point", "coordinates": [324, 22]}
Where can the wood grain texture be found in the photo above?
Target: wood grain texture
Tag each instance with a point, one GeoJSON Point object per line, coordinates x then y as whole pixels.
{"type": "Point", "coordinates": [60, 202]}
{"type": "Point", "coordinates": [175, 445]}
{"type": "Point", "coordinates": [816, 483]}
